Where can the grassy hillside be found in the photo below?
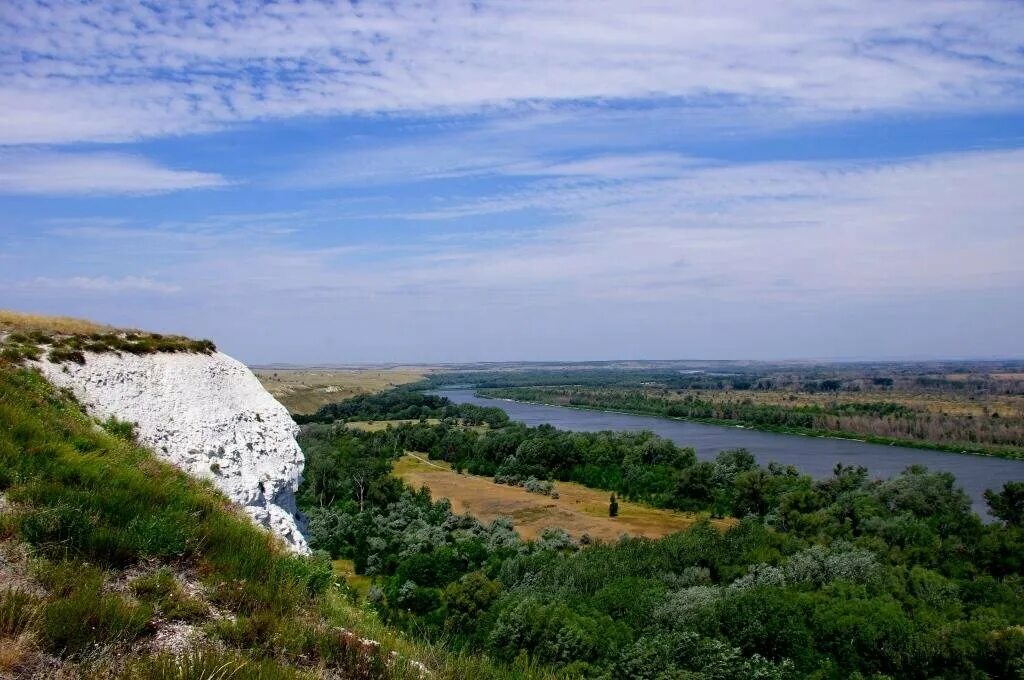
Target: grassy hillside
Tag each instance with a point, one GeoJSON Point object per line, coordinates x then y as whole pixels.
{"type": "Point", "coordinates": [114, 564]}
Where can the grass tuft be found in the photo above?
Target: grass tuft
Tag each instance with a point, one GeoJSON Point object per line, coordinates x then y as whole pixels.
{"type": "Point", "coordinates": [163, 592]}
{"type": "Point", "coordinates": [207, 663]}
{"type": "Point", "coordinates": [18, 612]}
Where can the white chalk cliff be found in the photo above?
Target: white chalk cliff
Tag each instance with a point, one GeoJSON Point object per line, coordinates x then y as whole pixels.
{"type": "Point", "coordinates": [206, 414]}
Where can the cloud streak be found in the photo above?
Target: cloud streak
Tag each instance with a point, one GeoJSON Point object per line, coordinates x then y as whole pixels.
{"type": "Point", "coordinates": [77, 71]}
{"type": "Point", "coordinates": [101, 284]}
{"type": "Point", "coordinates": [47, 172]}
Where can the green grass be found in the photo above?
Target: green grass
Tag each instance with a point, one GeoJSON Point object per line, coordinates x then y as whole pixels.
{"type": "Point", "coordinates": [85, 619]}
{"type": "Point", "coordinates": [208, 664]}
{"type": "Point", "coordinates": [163, 592]}
{"type": "Point", "coordinates": [19, 612]}
{"type": "Point", "coordinates": [82, 493]}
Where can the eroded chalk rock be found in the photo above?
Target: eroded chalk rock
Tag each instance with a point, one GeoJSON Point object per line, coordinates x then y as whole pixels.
{"type": "Point", "coordinates": [206, 414]}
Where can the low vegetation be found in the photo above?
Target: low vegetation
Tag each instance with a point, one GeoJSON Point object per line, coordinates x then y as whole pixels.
{"type": "Point", "coordinates": [842, 577]}
{"type": "Point", "coordinates": [62, 339]}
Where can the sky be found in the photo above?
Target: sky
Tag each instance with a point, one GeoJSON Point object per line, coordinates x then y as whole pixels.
{"type": "Point", "coordinates": [323, 182]}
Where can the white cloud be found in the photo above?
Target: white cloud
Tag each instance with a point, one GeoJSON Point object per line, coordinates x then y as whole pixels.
{"type": "Point", "coordinates": [45, 172]}
{"type": "Point", "coordinates": [771, 231]}
{"type": "Point", "coordinates": [102, 284]}
{"type": "Point", "coordinates": [78, 71]}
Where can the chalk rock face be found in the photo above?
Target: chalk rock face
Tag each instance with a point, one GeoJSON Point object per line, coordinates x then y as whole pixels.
{"type": "Point", "coordinates": [206, 414]}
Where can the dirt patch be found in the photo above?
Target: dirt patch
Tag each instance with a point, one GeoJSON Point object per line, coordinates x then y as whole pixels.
{"type": "Point", "coordinates": [578, 509]}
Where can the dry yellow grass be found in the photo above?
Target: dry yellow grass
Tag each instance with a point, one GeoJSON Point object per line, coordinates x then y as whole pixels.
{"type": "Point", "coordinates": [15, 654]}
{"type": "Point", "coordinates": [578, 509]}
{"type": "Point", "coordinates": [306, 390]}
{"type": "Point", "coordinates": [20, 321]}
{"type": "Point", "coordinates": [378, 425]}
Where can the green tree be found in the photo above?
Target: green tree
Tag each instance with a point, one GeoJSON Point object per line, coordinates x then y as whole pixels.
{"type": "Point", "coordinates": [1008, 504]}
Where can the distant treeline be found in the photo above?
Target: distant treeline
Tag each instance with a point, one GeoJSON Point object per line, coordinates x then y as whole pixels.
{"type": "Point", "coordinates": [883, 421]}
{"type": "Point", "coordinates": [404, 404]}
{"type": "Point", "coordinates": [969, 378]}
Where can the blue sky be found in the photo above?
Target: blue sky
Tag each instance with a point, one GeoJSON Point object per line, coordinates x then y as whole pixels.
{"type": "Point", "coordinates": [335, 182]}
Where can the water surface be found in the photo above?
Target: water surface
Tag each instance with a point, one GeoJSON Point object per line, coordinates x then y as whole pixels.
{"type": "Point", "coordinates": [816, 456]}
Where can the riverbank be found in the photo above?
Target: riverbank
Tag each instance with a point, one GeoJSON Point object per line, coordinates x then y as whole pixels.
{"type": "Point", "coordinates": [989, 452]}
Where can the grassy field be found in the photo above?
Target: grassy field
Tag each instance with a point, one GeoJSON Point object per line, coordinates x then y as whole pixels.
{"type": "Point", "coordinates": [378, 425]}
{"type": "Point", "coordinates": [578, 509]}
{"type": "Point", "coordinates": [306, 390]}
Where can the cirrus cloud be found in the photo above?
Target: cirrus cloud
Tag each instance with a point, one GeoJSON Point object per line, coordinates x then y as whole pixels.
{"type": "Point", "coordinates": [73, 71]}
{"type": "Point", "coordinates": [48, 172]}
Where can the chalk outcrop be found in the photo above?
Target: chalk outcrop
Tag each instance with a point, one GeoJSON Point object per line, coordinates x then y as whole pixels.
{"type": "Point", "coordinates": [206, 414]}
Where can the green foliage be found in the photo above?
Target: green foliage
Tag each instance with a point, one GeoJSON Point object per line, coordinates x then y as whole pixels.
{"type": "Point", "coordinates": [1008, 504]}
{"type": "Point", "coordinates": [404, 404]}
{"type": "Point", "coordinates": [833, 578]}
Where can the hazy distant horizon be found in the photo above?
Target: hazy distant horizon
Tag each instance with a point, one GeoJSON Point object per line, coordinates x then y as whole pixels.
{"type": "Point", "coordinates": [483, 365]}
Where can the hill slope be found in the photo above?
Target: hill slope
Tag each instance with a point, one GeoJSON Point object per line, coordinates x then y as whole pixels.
{"type": "Point", "coordinates": [116, 564]}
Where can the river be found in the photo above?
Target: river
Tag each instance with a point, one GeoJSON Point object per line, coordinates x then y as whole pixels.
{"type": "Point", "coordinates": [816, 456]}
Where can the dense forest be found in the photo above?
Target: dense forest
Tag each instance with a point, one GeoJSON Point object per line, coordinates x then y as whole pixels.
{"type": "Point", "coordinates": [899, 420]}
{"type": "Point", "coordinates": [403, 404]}
{"type": "Point", "coordinates": [835, 578]}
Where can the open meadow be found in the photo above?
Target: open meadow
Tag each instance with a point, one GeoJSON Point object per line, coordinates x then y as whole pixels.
{"type": "Point", "coordinates": [304, 390]}
{"type": "Point", "coordinates": [578, 509]}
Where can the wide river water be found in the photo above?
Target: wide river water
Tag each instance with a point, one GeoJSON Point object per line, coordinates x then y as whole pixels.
{"type": "Point", "coordinates": [814, 455]}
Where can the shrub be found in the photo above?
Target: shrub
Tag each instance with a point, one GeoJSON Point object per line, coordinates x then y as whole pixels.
{"type": "Point", "coordinates": [59, 355]}
{"type": "Point", "coordinates": [119, 428]}
{"type": "Point", "coordinates": [541, 486]}
{"type": "Point", "coordinates": [819, 565]}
